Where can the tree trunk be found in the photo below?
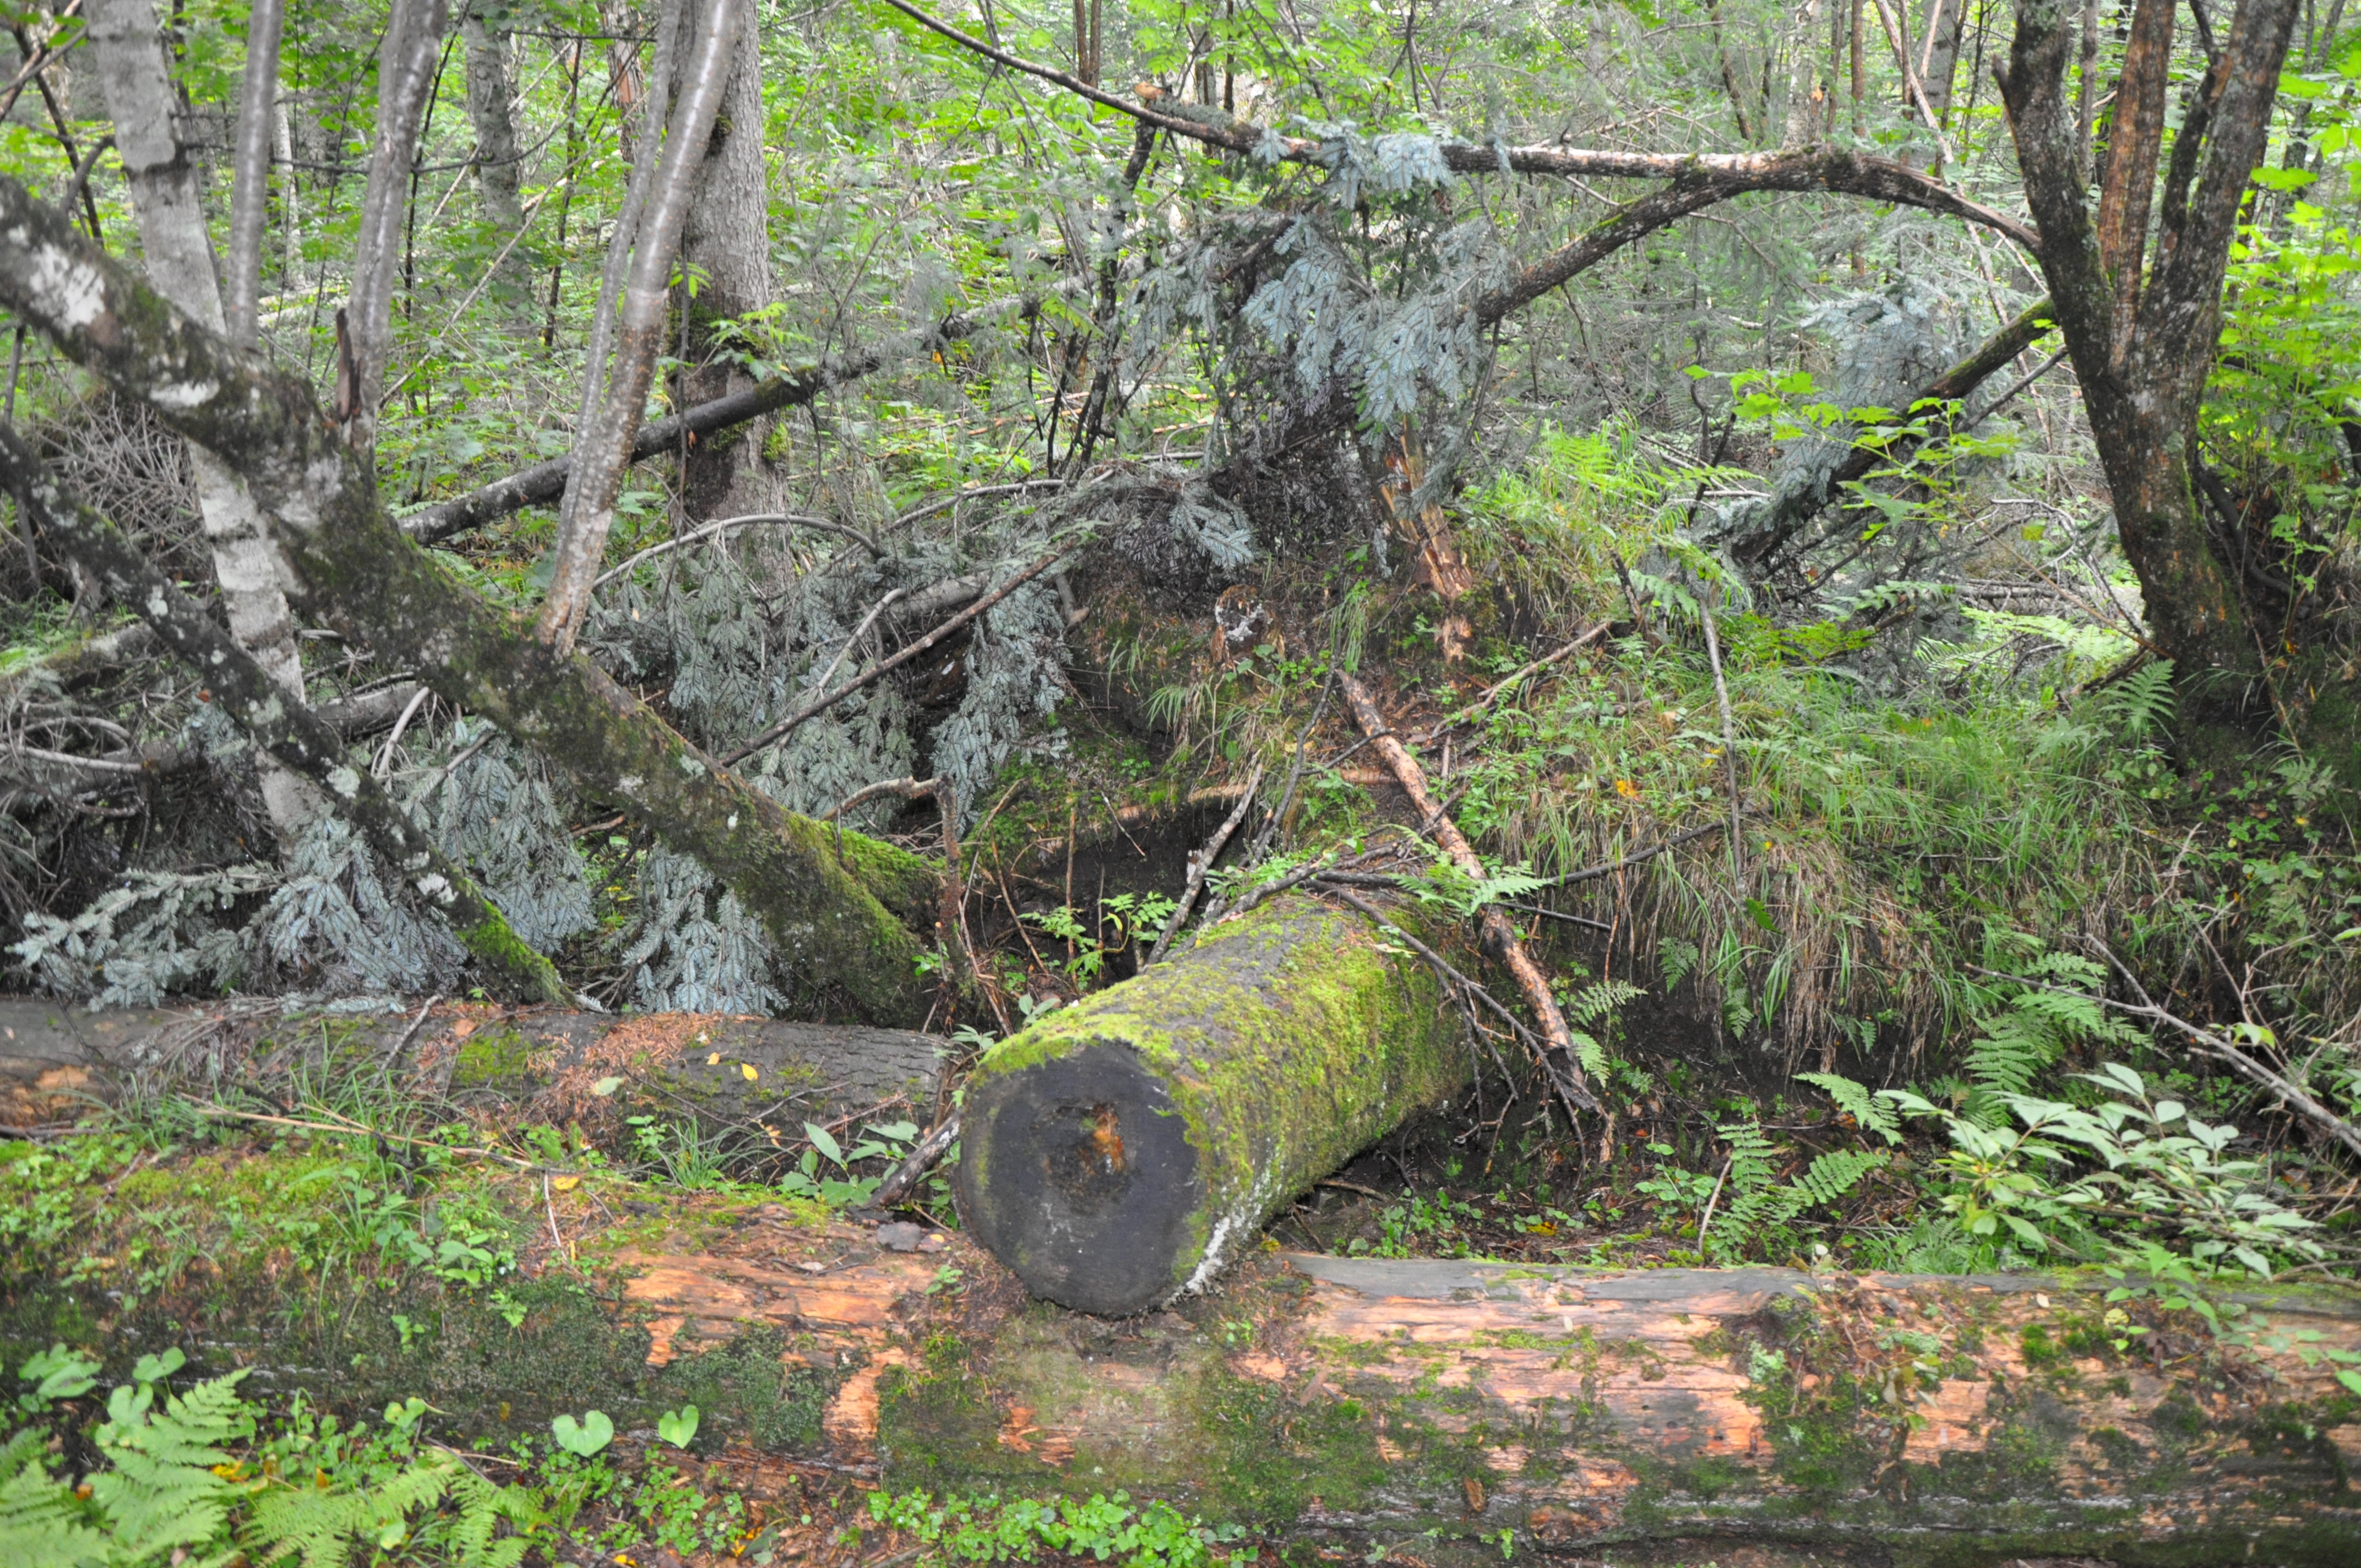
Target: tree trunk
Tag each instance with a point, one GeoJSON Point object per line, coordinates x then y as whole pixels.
{"type": "Point", "coordinates": [169, 207]}
{"type": "Point", "coordinates": [1131, 1145]}
{"type": "Point", "coordinates": [56, 1057]}
{"type": "Point", "coordinates": [1459, 1410]}
{"type": "Point", "coordinates": [2143, 344]}
{"type": "Point", "coordinates": [727, 248]}
{"type": "Point", "coordinates": [825, 901]}
{"type": "Point", "coordinates": [500, 165]}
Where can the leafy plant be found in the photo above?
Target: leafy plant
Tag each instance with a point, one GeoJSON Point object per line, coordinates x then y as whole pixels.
{"type": "Point", "coordinates": [586, 1437]}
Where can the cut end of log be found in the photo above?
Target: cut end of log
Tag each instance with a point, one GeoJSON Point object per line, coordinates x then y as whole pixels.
{"type": "Point", "coordinates": [1089, 1184]}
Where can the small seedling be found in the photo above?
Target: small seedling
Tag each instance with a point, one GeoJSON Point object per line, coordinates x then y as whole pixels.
{"type": "Point", "coordinates": [677, 1427]}
{"type": "Point", "coordinates": [586, 1437]}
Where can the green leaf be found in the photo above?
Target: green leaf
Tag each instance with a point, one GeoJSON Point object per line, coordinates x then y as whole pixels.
{"type": "Point", "coordinates": [677, 1427]}
{"type": "Point", "coordinates": [824, 1141]}
{"type": "Point", "coordinates": [594, 1431]}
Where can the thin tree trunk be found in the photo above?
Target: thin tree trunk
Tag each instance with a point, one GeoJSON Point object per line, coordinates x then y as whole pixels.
{"type": "Point", "coordinates": [1938, 55]}
{"type": "Point", "coordinates": [257, 118]}
{"type": "Point", "coordinates": [406, 72]}
{"type": "Point", "coordinates": [499, 167]}
{"type": "Point", "coordinates": [603, 449]}
{"type": "Point", "coordinates": [128, 53]}
{"type": "Point", "coordinates": [726, 245]}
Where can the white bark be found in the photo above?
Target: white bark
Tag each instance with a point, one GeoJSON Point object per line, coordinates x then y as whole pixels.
{"type": "Point", "coordinates": [491, 87]}
{"type": "Point", "coordinates": [405, 79]}
{"type": "Point", "coordinates": [128, 53]}
{"type": "Point", "coordinates": [727, 241]}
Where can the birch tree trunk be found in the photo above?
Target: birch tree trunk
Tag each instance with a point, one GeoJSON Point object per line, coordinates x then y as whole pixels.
{"type": "Point", "coordinates": [405, 80]}
{"type": "Point", "coordinates": [499, 167]}
{"type": "Point", "coordinates": [727, 245]}
{"type": "Point", "coordinates": [165, 199]}
{"type": "Point", "coordinates": [603, 447]}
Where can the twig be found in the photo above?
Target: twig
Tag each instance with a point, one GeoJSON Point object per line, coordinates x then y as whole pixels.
{"type": "Point", "coordinates": [411, 1034]}
{"type": "Point", "coordinates": [344, 1128]}
{"type": "Point", "coordinates": [908, 789]}
{"type": "Point", "coordinates": [920, 1160]}
{"type": "Point", "coordinates": [1608, 868]}
{"type": "Point", "coordinates": [783, 519]}
{"type": "Point", "coordinates": [1484, 698]}
{"type": "Point", "coordinates": [2213, 1045]}
{"type": "Point", "coordinates": [550, 1204]}
{"type": "Point", "coordinates": [1500, 937]}
{"type": "Point", "coordinates": [1707, 1223]}
{"type": "Point", "coordinates": [786, 726]}
{"type": "Point", "coordinates": [1203, 863]}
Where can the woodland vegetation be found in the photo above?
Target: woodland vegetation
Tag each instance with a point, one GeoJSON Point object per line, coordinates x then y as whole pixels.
{"type": "Point", "coordinates": [1754, 606]}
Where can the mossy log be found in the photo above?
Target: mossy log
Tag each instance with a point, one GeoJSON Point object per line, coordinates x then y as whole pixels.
{"type": "Point", "coordinates": [57, 1058]}
{"type": "Point", "coordinates": [1332, 1403]}
{"type": "Point", "coordinates": [1127, 1148]}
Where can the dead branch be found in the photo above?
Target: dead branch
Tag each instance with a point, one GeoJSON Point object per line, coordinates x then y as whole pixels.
{"type": "Point", "coordinates": [1201, 863]}
{"type": "Point", "coordinates": [1500, 937]}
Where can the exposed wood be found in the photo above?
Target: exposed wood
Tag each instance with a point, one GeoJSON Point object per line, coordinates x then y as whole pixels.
{"type": "Point", "coordinates": [1343, 1403]}
{"type": "Point", "coordinates": [1130, 1145]}
{"type": "Point", "coordinates": [58, 1058]}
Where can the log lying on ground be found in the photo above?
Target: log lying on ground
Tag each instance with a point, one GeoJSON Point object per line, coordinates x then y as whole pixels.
{"type": "Point", "coordinates": [1130, 1145]}
{"type": "Point", "coordinates": [58, 1058]}
{"type": "Point", "coordinates": [1338, 1403]}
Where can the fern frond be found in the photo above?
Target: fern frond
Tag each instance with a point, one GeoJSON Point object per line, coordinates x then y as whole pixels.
{"type": "Point", "coordinates": [1591, 1054]}
{"type": "Point", "coordinates": [1597, 1001]}
{"type": "Point", "coordinates": [1858, 1102]}
{"type": "Point", "coordinates": [1831, 1176]}
{"type": "Point", "coordinates": [40, 1523]}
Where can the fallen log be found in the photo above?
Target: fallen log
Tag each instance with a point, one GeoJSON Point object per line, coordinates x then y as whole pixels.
{"type": "Point", "coordinates": [1342, 1404]}
{"type": "Point", "coordinates": [1132, 1144]}
{"type": "Point", "coordinates": [59, 1060]}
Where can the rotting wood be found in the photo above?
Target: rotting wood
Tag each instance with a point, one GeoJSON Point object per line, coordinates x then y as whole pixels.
{"type": "Point", "coordinates": [1345, 1404]}
{"type": "Point", "coordinates": [58, 1059]}
{"type": "Point", "coordinates": [1130, 1145]}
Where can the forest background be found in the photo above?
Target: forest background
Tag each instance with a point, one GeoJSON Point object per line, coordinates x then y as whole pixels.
{"type": "Point", "coordinates": [1833, 683]}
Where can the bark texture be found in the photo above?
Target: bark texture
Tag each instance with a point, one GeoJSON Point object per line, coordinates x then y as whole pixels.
{"type": "Point", "coordinates": [1336, 1404]}
{"type": "Point", "coordinates": [57, 1057]}
{"type": "Point", "coordinates": [408, 63]}
{"type": "Point", "coordinates": [2143, 343]}
{"type": "Point", "coordinates": [604, 444]}
{"type": "Point", "coordinates": [1130, 1147]}
{"type": "Point", "coordinates": [350, 560]}
{"type": "Point", "coordinates": [491, 89]}
{"type": "Point", "coordinates": [726, 246]}
{"type": "Point", "coordinates": [167, 203]}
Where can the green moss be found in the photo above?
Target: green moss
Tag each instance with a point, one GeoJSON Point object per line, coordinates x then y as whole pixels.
{"type": "Point", "coordinates": [496, 1057]}
{"type": "Point", "coordinates": [530, 976]}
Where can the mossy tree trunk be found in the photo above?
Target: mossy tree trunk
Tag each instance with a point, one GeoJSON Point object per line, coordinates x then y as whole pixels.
{"type": "Point", "coordinates": [1131, 1145]}
{"type": "Point", "coordinates": [1332, 1403]}
{"type": "Point", "coordinates": [843, 922]}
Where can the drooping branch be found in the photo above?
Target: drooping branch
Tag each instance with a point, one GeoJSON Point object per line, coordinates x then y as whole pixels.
{"type": "Point", "coordinates": [1730, 174]}
{"type": "Point", "coordinates": [349, 562]}
{"type": "Point", "coordinates": [280, 722]}
{"type": "Point", "coordinates": [407, 65]}
{"type": "Point", "coordinates": [603, 447]}
{"type": "Point", "coordinates": [545, 481]}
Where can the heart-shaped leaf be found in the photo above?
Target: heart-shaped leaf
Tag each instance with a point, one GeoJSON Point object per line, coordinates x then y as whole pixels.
{"type": "Point", "coordinates": [677, 1427]}
{"type": "Point", "coordinates": [586, 1437]}
{"type": "Point", "coordinates": [606, 1086]}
